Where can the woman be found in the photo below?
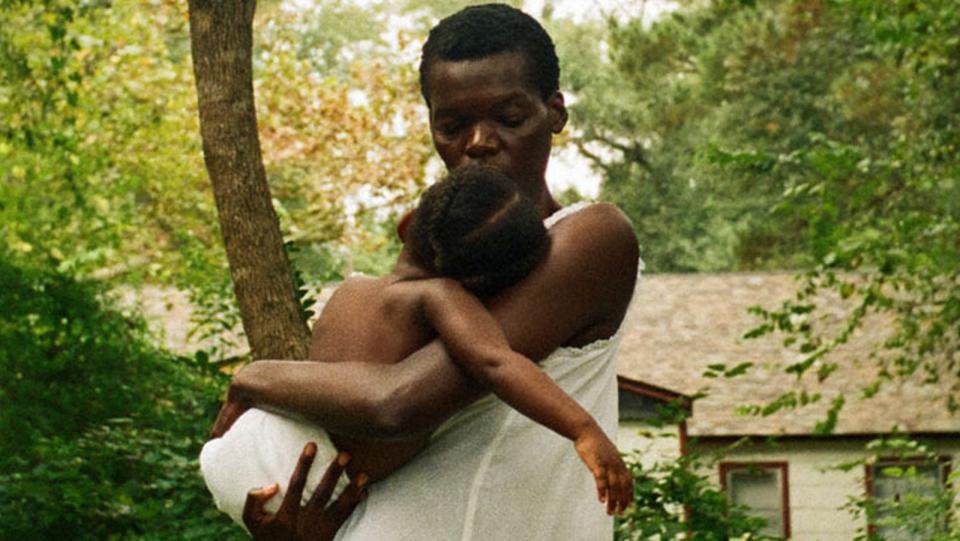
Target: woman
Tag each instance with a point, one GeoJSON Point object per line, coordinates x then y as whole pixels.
{"type": "Point", "coordinates": [489, 75]}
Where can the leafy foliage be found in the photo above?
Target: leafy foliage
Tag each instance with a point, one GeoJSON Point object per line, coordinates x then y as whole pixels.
{"type": "Point", "coordinates": [793, 134]}
{"type": "Point", "coordinates": [642, 114]}
{"type": "Point", "coordinates": [345, 143]}
{"type": "Point", "coordinates": [674, 500]}
{"type": "Point", "coordinates": [822, 111]}
{"type": "Point", "coordinates": [117, 480]}
{"type": "Point", "coordinates": [100, 156]}
{"type": "Point", "coordinates": [797, 134]}
{"type": "Point", "coordinates": [66, 363]}
{"type": "Point", "coordinates": [98, 146]}
{"type": "Point", "coordinates": [879, 187]}
{"type": "Point", "coordinates": [99, 431]}
{"type": "Point", "coordinates": [916, 515]}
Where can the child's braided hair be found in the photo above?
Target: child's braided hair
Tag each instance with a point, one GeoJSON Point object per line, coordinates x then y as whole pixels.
{"type": "Point", "coordinates": [475, 227]}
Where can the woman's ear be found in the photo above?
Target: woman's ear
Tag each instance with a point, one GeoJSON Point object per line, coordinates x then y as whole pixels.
{"type": "Point", "coordinates": [403, 224]}
{"type": "Point", "coordinates": [558, 112]}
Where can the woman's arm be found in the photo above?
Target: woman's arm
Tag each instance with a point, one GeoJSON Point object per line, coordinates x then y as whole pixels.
{"type": "Point", "coordinates": [579, 293]}
{"type": "Point", "coordinates": [379, 401]}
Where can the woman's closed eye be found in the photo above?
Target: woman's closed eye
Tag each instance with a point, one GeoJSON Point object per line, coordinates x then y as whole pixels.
{"type": "Point", "coordinates": [448, 127]}
{"type": "Point", "coordinates": [513, 121]}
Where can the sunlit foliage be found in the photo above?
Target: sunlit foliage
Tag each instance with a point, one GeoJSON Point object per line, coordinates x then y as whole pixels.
{"type": "Point", "coordinates": [339, 143]}
{"type": "Point", "coordinates": [98, 148]}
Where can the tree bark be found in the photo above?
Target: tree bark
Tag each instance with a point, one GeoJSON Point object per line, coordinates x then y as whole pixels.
{"type": "Point", "coordinates": [221, 39]}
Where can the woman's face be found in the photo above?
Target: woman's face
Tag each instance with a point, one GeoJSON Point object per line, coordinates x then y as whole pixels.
{"type": "Point", "coordinates": [487, 111]}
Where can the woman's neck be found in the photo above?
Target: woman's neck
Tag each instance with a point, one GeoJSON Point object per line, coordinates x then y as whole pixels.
{"type": "Point", "coordinates": [545, 203]}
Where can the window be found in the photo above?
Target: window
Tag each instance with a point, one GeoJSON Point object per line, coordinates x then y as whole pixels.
{"type": "Point", "coordinates": [763, 487]}
{"type": "Point", "coordinates": [909, 502]}
{"type": "Point", "coordinates": [636, 407]}
{"type": "Point", "coordinates": [644, 402]}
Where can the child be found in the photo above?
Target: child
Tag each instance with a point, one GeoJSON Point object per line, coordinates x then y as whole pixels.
{"type": "Point", "coordinates": [472, 235]}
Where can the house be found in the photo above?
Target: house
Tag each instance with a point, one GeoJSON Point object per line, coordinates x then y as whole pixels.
{"type": "Point", "coordinates": [679, 325]}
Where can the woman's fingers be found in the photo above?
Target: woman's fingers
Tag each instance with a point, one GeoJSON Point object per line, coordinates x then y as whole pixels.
{"type": "Point", "coordinates": [620, 496]}
{"type": "Point", "coordinates": [316, 521]}
{"type": "Point", "coordinates": [321, 521]}
{"type": "Point", "coordinates": [348, 501]}
{"type": "Point", "coordinates": [291, 501]}
{"type": "Point", "coordinates": [329, 481]}
{"type": "Point", "coordinates": [615, 489]}
{"type": "Point", "coordinates": [253, 513]}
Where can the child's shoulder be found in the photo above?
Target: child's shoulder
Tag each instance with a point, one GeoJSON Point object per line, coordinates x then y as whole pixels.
{"type": "Point", "coordinates": [420, 286]}
{"type": "Point", "coordinates": [352, 291]}
{"type": "Point", "coordinates": [354, 284]}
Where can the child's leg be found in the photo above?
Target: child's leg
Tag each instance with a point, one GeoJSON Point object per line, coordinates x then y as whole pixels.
{"type": "Point", "coordinates": [261, 449]}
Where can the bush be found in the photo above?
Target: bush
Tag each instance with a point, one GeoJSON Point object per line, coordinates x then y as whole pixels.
{"type": "Point", "coordinates": [99, 430]}
{"type": "Point", "coordinates": [672, 500]}
{"type": "Point", "coordinates": [924, 508]}
{"type": "Point", "coordinates": [117, 480]}
{"type": "Point", "coordinates": [66, 361]}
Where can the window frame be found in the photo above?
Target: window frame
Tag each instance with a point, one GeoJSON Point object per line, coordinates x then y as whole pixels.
{"type": "Point", "coordinates": [943, 461]}
{"type": "Point", "coordinates": [781, 466]}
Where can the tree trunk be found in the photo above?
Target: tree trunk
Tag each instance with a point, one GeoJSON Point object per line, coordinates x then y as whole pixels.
{"type": "Point", "coordinates": [221, 38]}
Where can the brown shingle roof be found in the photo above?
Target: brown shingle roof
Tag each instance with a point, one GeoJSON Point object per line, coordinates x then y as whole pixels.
{"type": "Point", "coordinates": [680, 324]}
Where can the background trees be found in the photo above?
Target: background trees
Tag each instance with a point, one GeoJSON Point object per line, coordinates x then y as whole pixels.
{"type": "Point", "coordinates": [807, 135]}
{"type": "Point", "coordinates": [101, 185]}
{"type": "Point", "coordinates": [819, 136]}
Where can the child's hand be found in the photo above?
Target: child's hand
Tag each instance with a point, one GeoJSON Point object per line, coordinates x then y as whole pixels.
{"type": "Point", "coordinates": [614, 482]}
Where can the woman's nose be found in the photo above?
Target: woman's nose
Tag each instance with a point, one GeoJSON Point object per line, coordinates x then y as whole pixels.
{"type": "Point", "coordinates": [482, 141]}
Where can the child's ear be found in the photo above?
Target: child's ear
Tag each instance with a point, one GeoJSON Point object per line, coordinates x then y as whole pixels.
{"type": "Point", "coordinates": [403, 224]}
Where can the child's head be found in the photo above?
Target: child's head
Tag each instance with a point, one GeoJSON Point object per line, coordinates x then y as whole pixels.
{"type": "Point", "coordinates": [475, 227]}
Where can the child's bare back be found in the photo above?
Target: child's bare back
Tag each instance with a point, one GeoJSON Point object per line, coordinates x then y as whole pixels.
{"type": "Point", "coordinates": [378, 320]}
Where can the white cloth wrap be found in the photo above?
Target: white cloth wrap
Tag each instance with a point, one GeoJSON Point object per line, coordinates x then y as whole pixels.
{"type": "Point", "coordinates": [489, 473]}
{"type": "Point", "coordinates": [261, 449]}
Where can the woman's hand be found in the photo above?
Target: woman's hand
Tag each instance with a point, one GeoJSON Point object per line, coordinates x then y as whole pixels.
{"type": "Point", "coordinates": [314, 522]}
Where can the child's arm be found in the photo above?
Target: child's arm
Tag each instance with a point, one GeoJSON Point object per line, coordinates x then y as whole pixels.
{"type": "Point", "coordinates": [478, 344]}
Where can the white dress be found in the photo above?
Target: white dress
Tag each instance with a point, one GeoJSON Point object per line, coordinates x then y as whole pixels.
{"type": "Point", "coordinates": [489, 473]}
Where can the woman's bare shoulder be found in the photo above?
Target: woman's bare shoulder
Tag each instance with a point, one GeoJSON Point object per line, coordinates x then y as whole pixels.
{"type": "Point", "coordinates": [606, 216]}
{"type": "Point", "coordinates": [594, 257]}
{"type": "Point", "coordinates": [599, 234]}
